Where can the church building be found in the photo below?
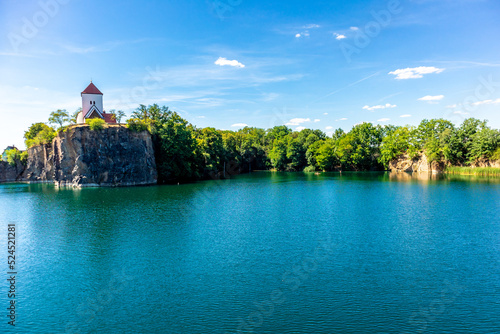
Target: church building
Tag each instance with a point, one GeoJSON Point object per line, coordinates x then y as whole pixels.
{"type": "Point", "coordinates": [92, 106]}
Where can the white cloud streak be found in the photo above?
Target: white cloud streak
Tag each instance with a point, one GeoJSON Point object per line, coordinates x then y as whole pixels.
{"type": "Point", "coordinates": [478, 103]}
{"type": "Point", "coordinates": [415, 72]}
{"type": "Point", "coordinates": [297, 121]}
{"type": "Point", "coordinates": [382, 106]}
{"type": "Point", "coordinates": [430, 98]}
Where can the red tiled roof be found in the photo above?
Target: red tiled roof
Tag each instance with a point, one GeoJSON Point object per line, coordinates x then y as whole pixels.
{"type": "Point", "coordinates": [108, 118]}
{"type": "Point", "coordinates": [91, 89]}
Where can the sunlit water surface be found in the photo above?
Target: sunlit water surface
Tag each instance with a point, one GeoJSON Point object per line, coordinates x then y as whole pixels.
{"type": "Point", "coordinates": [260, 253]}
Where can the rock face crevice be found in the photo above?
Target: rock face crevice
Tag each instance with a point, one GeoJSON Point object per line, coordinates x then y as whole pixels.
{"type": "Point", "coordinates": [80, 157]}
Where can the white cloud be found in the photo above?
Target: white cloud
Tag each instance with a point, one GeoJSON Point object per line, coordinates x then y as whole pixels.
{"type": "Point", "coordinates": [317, 120]}
{"type": "Point", "coordinates": [486, 102]}
{"type": "Point", "coordinates": [430, 98]}
{"type": "Point", "coordinates": [329, 127]}
{"type": "Point", "coordinates": [297, 121]}
{"type": "Point", "coordinates": [299, 128]}
{"type": "Point", "coordinates": [303, 34]}
{"type": "Point", "coordinates": [224, 62]}
{"type": "Point", "coordinates": [383, 120]}
{"type": "Point", "coordinates": [415, 72]}
{"type": "Point", "coordinates": [382, 106]}
{"type": "Point", "coordinates": [339, 36]}
{"type": "Point", "coordinates": [405, 115]}
{"type": "Point", "coordinates": [200, 117]}
{"type": "Point", "coordinates": [239, 125]}
{"type": "Point", "coordinates": [458, 112]}
{"type": "Point", "coordinates": [325, 113]}
{"type": "Point", "coordinates": [341, 119]}
{"type": "Point", "coordinates": [354, 28]}
{"type": "Point", "coordinates": [311, 26]}
{"type": "Point", "coordinates": [451, 106]}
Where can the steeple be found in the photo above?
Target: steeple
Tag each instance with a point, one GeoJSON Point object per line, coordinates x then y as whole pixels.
{"type": "Point", "coordinates": [91, 89]}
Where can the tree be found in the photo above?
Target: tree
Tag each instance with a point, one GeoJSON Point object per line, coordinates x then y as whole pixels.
{"type": "Point", "coordinates": [484, 144]}
{"type": "Point", "coordinates": [60, 116]}
{"type": "Point", "coordinates": [210, 145]}
{"type": "Point", "coordinates": [39, 134]}
{"type": "Point", "coordinates": [174, 140]}
{"type": "Point", "coordinates": [118, 114]}
{"type": "Point", "coordinates": [278, 154]}
{"type": "Point", "coordinates": [394, 144]}
{"type": "Point", "coordinates": [296, 154]}
{"type": "Point", "coordinates": [14, 155]}
{"type": "Point", "coordinates": [359, 149]}
{"type": "Point", "coordinates": [326, 157]}
{"type": "Point", "coordinates": [74, 116]}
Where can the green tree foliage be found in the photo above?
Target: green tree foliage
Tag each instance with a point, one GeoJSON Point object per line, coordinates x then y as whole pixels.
{"type": "Point", "coordinates": [74, 116]}
{"type": "Point", "coordinates": [59, 117]}
{"type": "Point", "coordinates": [394, 144]}
{"type": "Point", "coordinates": [210, 146]}
{"type": "Point", "coordinates": [39, 134]}
{"type": "Point", "coordinates": [278, 155]}
{"type": "Point", "coordinates": [14, 155]}
{"type": "Point", "coordinates": [138, 125]}
{"type": "Point", "coordinates": [484, 144]}
{"type": "Point", "coordinates": [326, 158]}
{"type": "Point", "coordinates": [359, 149]}
{"type": "Point", "coordinates": [117, 114]}
{"type": "Point", "coordinates": [175, 143]}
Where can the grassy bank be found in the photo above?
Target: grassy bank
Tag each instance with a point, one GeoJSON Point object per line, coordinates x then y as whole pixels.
{"type": "Point", "coordinates": [483, 171]}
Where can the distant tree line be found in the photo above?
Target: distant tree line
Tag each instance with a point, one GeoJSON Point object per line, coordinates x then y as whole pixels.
{"type": "Point", "coordinates": [185, 152]}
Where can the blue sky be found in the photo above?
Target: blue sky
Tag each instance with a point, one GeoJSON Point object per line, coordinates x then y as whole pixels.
{"type": "Point", "coordinates": [227, 63]}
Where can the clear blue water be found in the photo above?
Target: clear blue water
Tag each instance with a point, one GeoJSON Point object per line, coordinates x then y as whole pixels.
{"type": "Point", "coordinates": [260, 253]}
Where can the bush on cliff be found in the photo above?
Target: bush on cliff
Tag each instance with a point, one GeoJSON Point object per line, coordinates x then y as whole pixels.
{"type": "Point", "coordinates": [138, 125]}
{"type": "Point", "coordinates": [14, 155]}
{"type": "Point", "coordinates": [39, 134]}
{"type": "Point", "coordinates": [96, 124]}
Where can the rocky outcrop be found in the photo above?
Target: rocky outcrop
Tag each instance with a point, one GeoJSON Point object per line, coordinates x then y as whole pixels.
{"type": "Point", "coordinates": [10, 173]}
{"type": "Point", "coordinates": [80, 157]}
{"type": "Point", "coordinates": [486, 163]}
{"type": "Point", "coordinates": [405, 164]}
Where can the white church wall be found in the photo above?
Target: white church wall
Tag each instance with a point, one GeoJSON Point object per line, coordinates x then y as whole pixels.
{"type": "Point", "coordinates": [86, 98]}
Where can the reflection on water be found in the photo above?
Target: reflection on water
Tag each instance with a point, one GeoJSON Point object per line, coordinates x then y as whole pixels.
{"type": "Point", "coordinates": [426, 177]}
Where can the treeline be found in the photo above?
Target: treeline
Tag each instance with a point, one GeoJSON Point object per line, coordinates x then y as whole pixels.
{"type": "Point", "coordinates": [184, 152]}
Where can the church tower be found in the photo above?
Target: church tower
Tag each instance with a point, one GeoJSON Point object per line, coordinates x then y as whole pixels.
{"type": "Point", "coordinates": [92, 106]}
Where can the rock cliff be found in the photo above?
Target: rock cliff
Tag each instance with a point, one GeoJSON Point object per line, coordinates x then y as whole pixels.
{"type": "Point", "coordinates": [10, 173]}
{"type": "Point", "coordinates": [80, 157]}
{"type": "Point", "coordinates": [404, 164]}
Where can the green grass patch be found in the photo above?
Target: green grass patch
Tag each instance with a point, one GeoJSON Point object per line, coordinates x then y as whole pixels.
{"type": "Point", "coordinates": [483, 171]}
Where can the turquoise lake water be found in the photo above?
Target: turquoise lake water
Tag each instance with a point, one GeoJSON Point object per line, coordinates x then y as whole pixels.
{"type": "Point", "coordinates": [260, 253]}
